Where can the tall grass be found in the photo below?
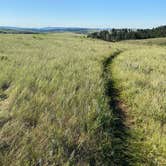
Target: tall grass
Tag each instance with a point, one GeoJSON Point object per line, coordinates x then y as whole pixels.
{"type": "Point", "coordinates": [55, 108]}
{"type": "Point", "coordinates": [140, 74]}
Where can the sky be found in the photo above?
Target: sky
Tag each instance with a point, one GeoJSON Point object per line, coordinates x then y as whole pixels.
{"type": "Point", "coordinates": [83, 13]}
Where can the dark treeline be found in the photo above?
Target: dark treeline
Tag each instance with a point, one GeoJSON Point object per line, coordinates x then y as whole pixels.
{"type": "Point", "coordinates": [127, 34]}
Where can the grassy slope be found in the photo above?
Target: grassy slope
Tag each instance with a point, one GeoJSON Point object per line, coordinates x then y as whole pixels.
{"type": "Point", "coordinates": [53, 107]}
{"type": "Point", "coordinates": [140, 73]}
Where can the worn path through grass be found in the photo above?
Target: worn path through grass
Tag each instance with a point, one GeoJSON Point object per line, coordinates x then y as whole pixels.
{"type": "Point", "coordinates": [120, 129]}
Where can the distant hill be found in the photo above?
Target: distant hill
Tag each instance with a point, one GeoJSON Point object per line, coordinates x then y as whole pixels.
{"type": "Point", "coordinates": [127, 34]}
{"type": "Point", "coordinates": [6, 29]}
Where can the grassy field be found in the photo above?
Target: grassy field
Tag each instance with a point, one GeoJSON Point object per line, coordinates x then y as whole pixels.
{"type": "Point", "coordinates": [52, 104]}
{"type": "Point", "coordinates": [140, 74]}
{"type": "Point", "coordinates": [58, 104]}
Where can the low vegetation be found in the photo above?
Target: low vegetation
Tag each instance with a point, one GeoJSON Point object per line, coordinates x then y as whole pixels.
{"type": "Point", "coordinates": [141, 76]}
{"type": "Point", "coordinates": [52, 106]}
{"type": "Point", "coordinates": [70, 100]}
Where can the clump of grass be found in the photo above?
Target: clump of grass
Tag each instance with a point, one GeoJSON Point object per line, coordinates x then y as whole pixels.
{"type": "Point", "coordinates": [5, 85]}
{"type": "Point", "coordinates": [3, 58]}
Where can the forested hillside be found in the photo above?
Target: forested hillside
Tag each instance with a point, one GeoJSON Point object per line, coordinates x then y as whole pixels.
{"type": "Point", "coordinates": [126, 34]}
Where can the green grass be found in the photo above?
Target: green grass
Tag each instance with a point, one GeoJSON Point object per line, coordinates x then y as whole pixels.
{"type": "Point", "coordinates": [55, 109]}
{"type": "Point", "coordinates": [140, 74]}
{"type": "Point", "coordinates": [55, 106]}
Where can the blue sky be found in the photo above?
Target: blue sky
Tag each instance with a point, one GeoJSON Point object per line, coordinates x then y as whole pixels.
{"type": "Point", "coordinates": [83, 13]}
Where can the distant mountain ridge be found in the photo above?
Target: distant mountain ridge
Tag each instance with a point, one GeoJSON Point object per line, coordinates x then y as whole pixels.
{"type": "Point", "coordinates": [8, 29]}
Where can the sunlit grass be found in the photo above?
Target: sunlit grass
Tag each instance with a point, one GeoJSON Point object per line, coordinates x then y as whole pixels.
{"type": "Point", "coordinates": [53, 107]}
{"type": "Point", "coordinates": [140, 72]}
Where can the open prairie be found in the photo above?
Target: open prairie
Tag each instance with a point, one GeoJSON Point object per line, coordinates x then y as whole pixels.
{"type": "Point", "coordinates": [69, 100]}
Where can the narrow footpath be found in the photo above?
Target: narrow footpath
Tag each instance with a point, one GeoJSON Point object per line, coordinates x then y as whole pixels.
{"type": "Point", "coordinates": [121, 155]}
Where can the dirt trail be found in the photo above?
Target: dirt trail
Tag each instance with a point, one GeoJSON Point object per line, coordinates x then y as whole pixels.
{"type": "Point", "coordinates": [121, 155]}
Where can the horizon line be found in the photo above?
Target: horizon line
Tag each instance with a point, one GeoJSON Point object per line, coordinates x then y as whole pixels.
{"type": "Point", "coordinates": [80, 27]}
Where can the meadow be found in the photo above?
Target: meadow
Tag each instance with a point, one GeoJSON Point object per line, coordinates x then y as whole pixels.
{"type": "Point", "coordinates": [58, 104]}
{"type": "Point", "coordinates": [52, 102]}
{"type": "Point", "coordinates": [139, 73]}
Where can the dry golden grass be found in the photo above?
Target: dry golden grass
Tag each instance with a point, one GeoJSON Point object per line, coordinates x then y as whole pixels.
{"type": "Point", "coordinates": [53, 104]}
